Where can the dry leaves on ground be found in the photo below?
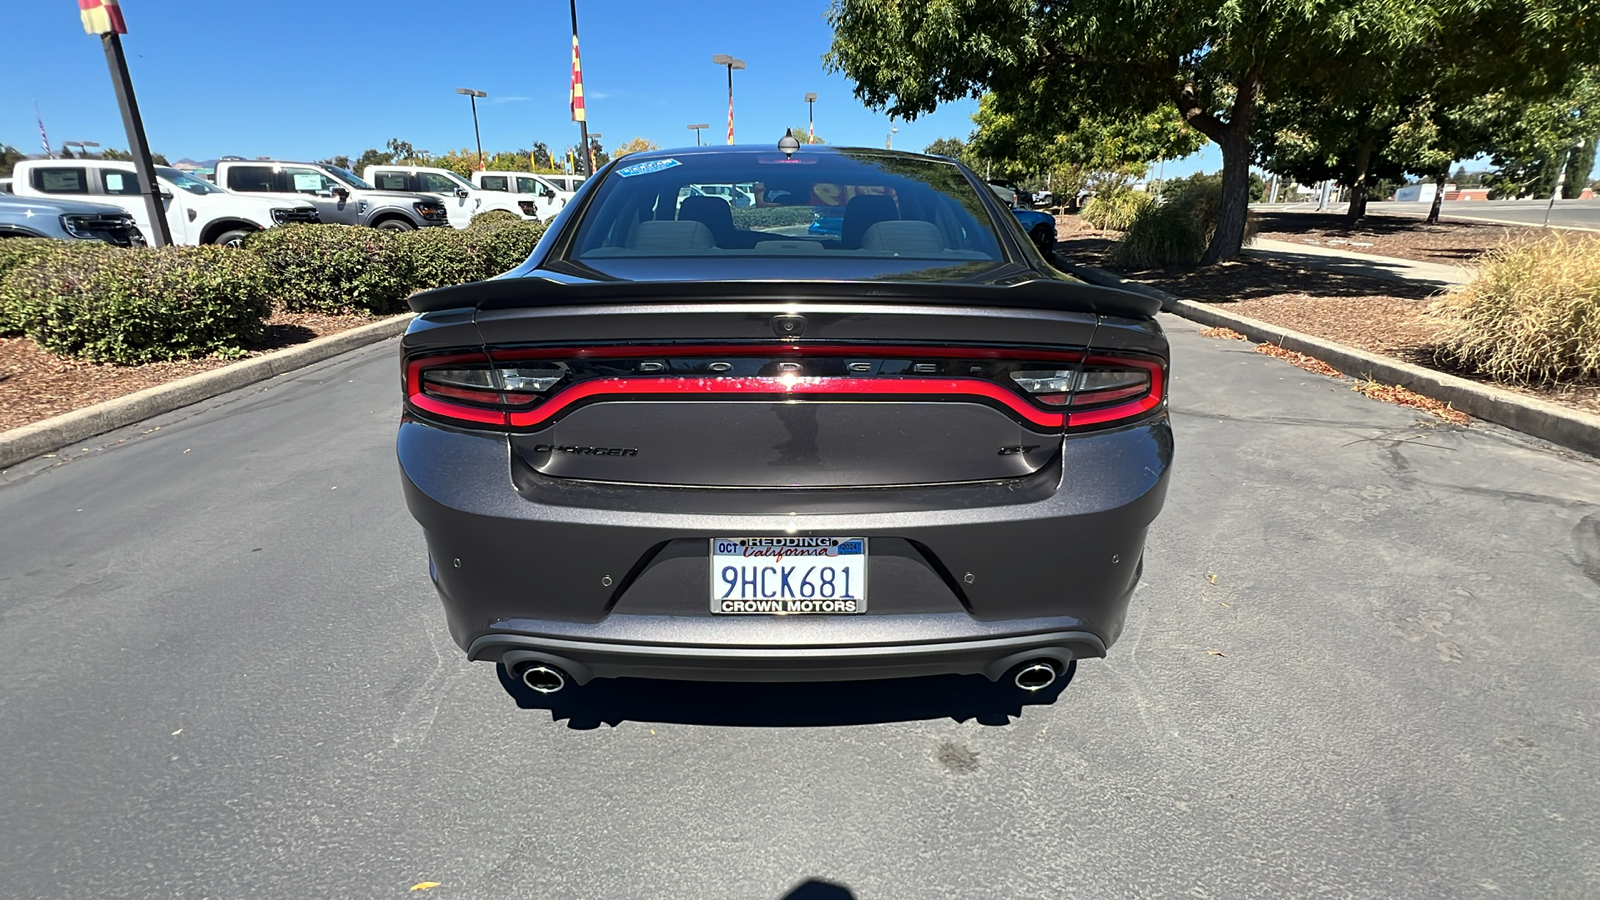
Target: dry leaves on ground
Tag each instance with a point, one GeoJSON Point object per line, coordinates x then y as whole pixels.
{"type": "Point", "coordinates": [1392, 393]}
{"type": "Point", "coordinates": [1309, 363]}
{"type": "Point", "coordinates": [1224, 333]}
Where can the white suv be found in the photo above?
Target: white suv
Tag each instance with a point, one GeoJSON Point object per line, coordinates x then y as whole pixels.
{"type": "Point", "coordinates": [198, 212]}
{"type": "Point", "coordinates": [462, 199]}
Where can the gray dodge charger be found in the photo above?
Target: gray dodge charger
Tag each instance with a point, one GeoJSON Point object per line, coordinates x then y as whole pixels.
{"type": "Point", "coordinates": [687, 440]}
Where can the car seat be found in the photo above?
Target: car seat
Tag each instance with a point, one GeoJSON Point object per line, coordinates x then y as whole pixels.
{"type": "Point", "coordinates": [862, 212]}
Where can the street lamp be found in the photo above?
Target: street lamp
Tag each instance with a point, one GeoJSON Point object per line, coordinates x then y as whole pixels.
{"type": "Point", "coordinates": [811, 118]}
{"type": "Point", "coordinates": [723, 59]}
{"type": "Point", "coordinates": [80, 145]}
{"type": "Point", "coordinates": [888, 141]}
{"type": "Point", "coordinates": [474, 95]}
{"type": "Point", "coordinates": [1561, 181]}
{"type": "Point", "coordinates": [697, 129]}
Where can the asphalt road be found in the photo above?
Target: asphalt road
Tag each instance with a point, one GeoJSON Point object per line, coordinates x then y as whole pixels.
{"type": "Point", "coordinates": [1362, 664]}
{"type": "Point", "coordinates": [1569, 213]}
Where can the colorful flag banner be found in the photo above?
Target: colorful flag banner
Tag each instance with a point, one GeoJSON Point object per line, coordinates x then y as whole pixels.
{"type": "Point", "coordinates": [577, 84]}
{"type": "Point", "coordinates": [101, 17]}
{"type": "Point", "coordinates": [730, 117]}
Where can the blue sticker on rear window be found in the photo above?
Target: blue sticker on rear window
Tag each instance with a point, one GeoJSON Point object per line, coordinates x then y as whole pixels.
{"type": "Point", "coordinates": [645, 168]}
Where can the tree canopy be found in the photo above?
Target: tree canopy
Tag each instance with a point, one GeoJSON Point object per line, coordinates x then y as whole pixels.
{"type": "Point", "coordinates": [1210, 61]}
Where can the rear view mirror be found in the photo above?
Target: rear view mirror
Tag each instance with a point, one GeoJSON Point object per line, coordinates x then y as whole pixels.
{"type": "Point", "coordinates": [165, 195]}
{"type": "Point", "coordinates": [341, 193]}
{"type": "Point", "coordinates": [462, 193]}
{"type": "Point", "coordinates": [548, 193]}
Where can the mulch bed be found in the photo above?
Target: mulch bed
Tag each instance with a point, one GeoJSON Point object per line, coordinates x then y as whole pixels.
{"type": "Point", "coordinates": [1399, 236]}
{"type": "Point", "coordinates": [36, 385]}
{"type": "Point", "coordinates": [1377, 316]}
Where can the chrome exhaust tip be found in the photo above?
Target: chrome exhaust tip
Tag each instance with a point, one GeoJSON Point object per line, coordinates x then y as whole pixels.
{"type": "Point", "coordinates": [544, 679]}
{"type": "Point", "coordinates": [1036, 676]}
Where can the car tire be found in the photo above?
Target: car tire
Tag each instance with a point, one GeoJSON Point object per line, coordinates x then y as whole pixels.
{"type": "Point", "coordinates": [1044, 237]}
{"type": "Point", "coordinates": [395, 225]}
{"type": "Point", "coordinates": [234, 237]}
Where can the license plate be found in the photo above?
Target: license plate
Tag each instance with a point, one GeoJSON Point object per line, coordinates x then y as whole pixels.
{"type": "Point", "coordinates": [788, 576]}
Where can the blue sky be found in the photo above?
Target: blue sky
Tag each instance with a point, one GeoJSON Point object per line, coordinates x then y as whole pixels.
{"type": "Point", "coordinates": [297, 79]}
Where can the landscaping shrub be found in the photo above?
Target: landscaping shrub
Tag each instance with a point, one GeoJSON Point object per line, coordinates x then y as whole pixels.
{"type": "Point", "coordinates": [1114, 210]}
{"type": "Point", "coordinates": [138, 306]}
{"type": "Point", "coordinates": [1177, 231]}
{"type": "Point", "coordinates": [336, 268]}
{"type": "Point", "coordinates": [439, 257]}
{"type": "Point", "coordinates": [20, 252]}
{"type": "Point", "coordinates": [1532, 314]}
{"type": "Point", "coordinates": [493, 218]}
{"type": "Point", "coordinates": [508, 246]}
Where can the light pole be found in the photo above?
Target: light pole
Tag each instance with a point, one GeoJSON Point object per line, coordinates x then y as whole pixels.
{"type": "Point", "coordinates": [723, 59]}
{"type": "Point", "coordinates": [697, 129]}
{"type": "Point", "coordinates": [80, 145]}
{"type": "Point", "coordinates": [811, 117]}
{"type": "Point", "coordinates": [579, 113]}
{"type": "Point", "coordinates": [1561, 181]}
{"type": "Point", "coordinates": [474, 95]}
{"type": "Point", "coordinates": [888, 140]}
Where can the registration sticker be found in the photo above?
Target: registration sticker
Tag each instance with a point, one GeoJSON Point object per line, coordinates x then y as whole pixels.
{"type": "Point", "coordinates": [645, 168]}
{"type": "Point", "coordinates": [789, 575]}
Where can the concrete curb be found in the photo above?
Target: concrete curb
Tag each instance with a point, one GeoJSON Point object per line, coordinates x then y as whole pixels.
{"type": "Point", "coordinates": [1529, 415]}
{"type": "Point", "coordinates": [29, 441]}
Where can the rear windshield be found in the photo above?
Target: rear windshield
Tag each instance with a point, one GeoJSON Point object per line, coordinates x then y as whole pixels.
{"type": "Point", "coordinates": [840, 204]}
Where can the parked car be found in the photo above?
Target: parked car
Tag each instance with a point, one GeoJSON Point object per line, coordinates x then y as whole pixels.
{"type": "Point", "coordinates": [339, 196]}
{"type": "Point", "coordinates": [567, 183]}
{"type": "Point", "coordinates": [534, 195]}
{"type": "Point", "coordinates": [72, 220]}
{"type": "Point", "coordinates": [462, 199]}
{"type": "Point", "coordinates": [198, 212]}
{"type": "Point", "coordinates": [1040, 226]}
{"type": "Point", "coordinates": [674, 446]}
{"type": "Point", "coordinates": [5, 186]}
{"type": "Point", "coordinates": [1011, 193]}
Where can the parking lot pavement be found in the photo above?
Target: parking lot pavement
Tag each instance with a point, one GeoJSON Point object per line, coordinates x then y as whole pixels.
{"type": "Point", "coordinates": [1361, 664]}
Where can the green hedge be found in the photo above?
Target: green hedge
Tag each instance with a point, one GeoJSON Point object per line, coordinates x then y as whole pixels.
{"type": "Point", "coordinates": [24, 252]}
{"type": "Point", "coordinates": [95, 301]}
{"type": "Point", "coordinates": [335, 268]}
{"type": "Point", "coordinates": [1115, 209]}
{"type": "Point", "coordinates": [138, 306]}
{"type": "Point", "coordinates": [493, 218]}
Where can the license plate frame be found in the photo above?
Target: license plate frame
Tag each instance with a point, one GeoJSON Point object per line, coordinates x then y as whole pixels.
{"type": "Point", "coordinates": [785, 576]}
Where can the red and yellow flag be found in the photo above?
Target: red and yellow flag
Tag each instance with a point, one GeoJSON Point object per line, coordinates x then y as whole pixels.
{"type": "Point", "coordinates": [101, 17]}
{"type": "Point", "coordinates": [577, 84]}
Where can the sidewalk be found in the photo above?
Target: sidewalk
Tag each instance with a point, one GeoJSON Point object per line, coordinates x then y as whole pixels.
{"type": "Point", "coordinates": [1352, 262]}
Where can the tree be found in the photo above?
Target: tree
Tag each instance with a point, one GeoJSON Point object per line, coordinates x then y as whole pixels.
{"type": "Point", "coordinates": [951, 147]}
{"type": "Point", "coordinates": [541, 157]}
{"type": "Point", "coordinates": [341, 161]}
{"type": "Point", "coordinates": [1213, 61]}
{"type": "Point", "coordinates": [371, 157]}
{"type": "Point", "coordinates": [799, 133]}
{"type": "Point", "coordinates": [9, 157]}
{"type": "Point", "coordinates": [637, 145]}
{"type": "Point", "coordinates": [113, 153]}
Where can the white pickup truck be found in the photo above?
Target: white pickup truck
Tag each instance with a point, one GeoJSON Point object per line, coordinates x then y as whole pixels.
{"type": "Point", "coordinates": [462, 199]}
{"type": "Point", "coordinates": [198, 212]}
{"type": "Point", "coordinates": [536, 195]}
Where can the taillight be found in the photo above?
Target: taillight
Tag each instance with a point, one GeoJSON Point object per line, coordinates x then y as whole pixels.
{"type": "Point", "coordinates": [1105, 389]}
{"type": "Point", "coordinates": [457, 387]}
{"type": "Point", "coordinates": [531, 387]}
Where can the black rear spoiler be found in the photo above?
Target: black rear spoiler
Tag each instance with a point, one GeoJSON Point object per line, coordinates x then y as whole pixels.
{"type": "Point", "coordinates": [534, 291]}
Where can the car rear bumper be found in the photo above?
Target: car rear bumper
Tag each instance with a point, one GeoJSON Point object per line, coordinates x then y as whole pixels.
{"type": "Point", "coordinates": [583, 660]}
{"type": "Point", "coordinates": [607, 580]}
